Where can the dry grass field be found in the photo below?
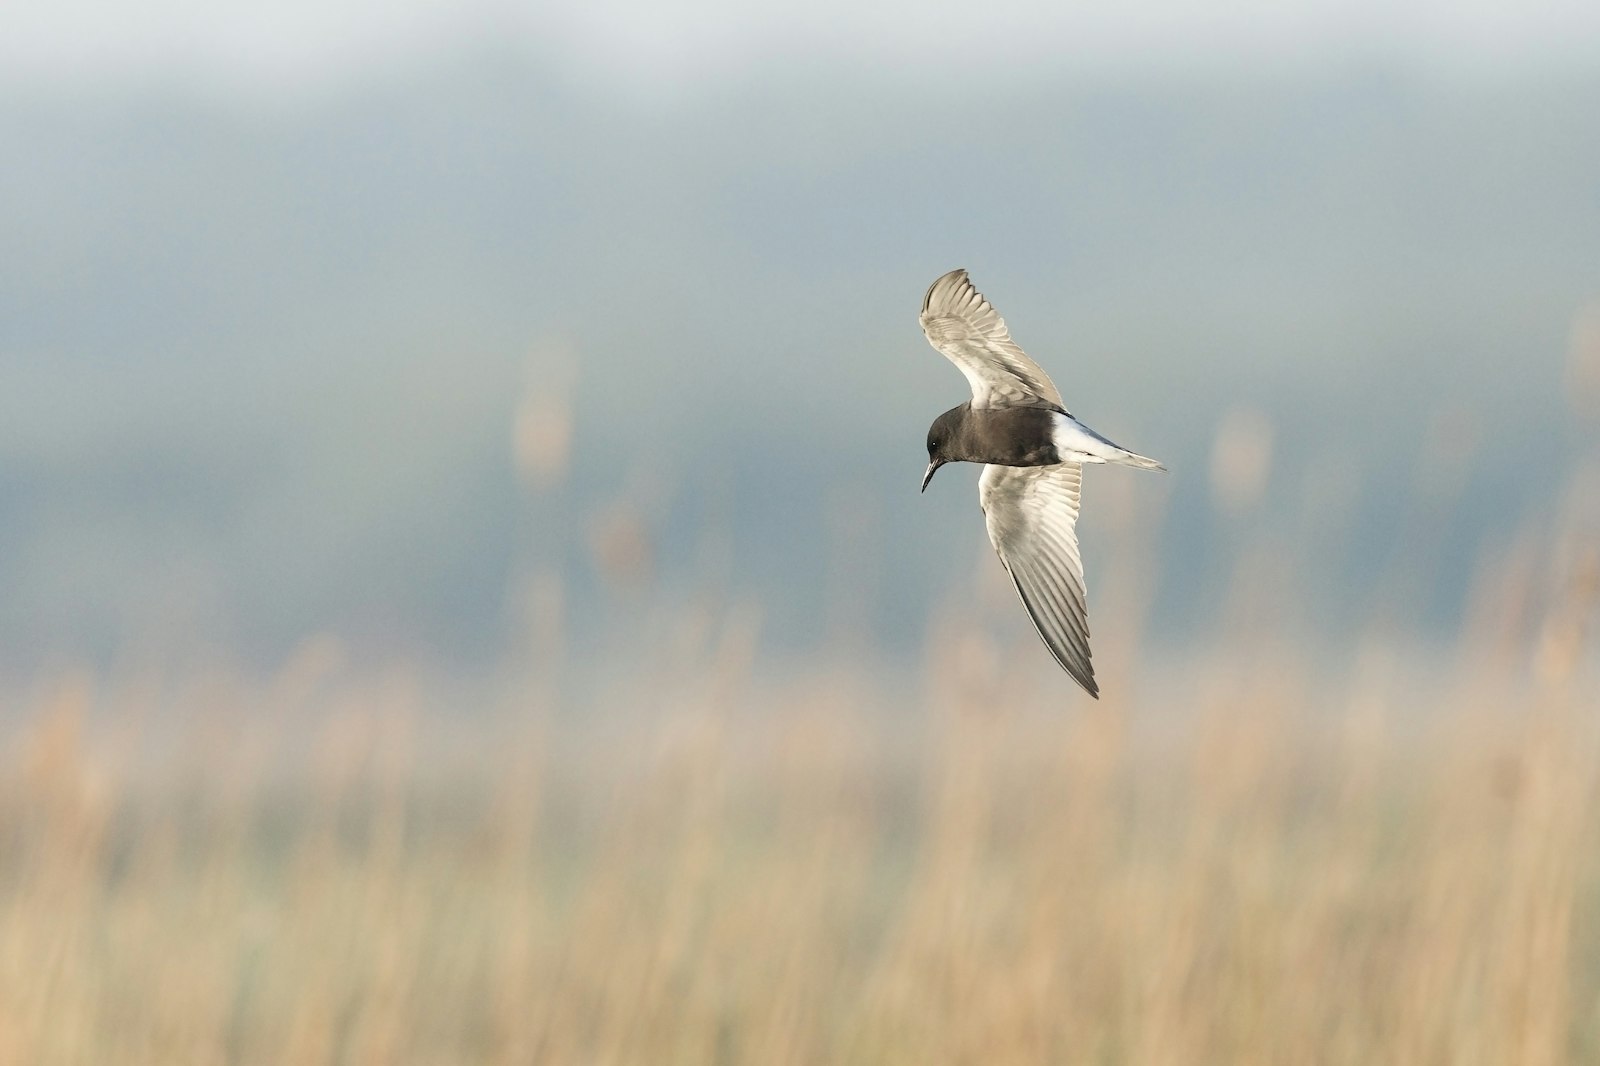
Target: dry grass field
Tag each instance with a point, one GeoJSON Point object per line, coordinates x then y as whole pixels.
{"type": "Point", "coordinates": [1230, 860]}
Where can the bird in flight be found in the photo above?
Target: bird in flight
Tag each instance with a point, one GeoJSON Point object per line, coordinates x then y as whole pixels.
{"type": "Point", "coordinates": [1033, 452]}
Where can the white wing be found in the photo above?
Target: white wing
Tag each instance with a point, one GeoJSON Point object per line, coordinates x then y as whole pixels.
{"type": "Point", "coordinates": [1032, 515]}
{"type": "Point", "coordinates": [966, 329]}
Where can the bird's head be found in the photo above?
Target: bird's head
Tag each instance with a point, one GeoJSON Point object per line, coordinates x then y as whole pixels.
{"type": "Point", "coordinates": [942, 436]}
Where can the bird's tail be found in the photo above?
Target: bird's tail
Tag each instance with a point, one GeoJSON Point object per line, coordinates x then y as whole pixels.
{"type": "Point", "coordinates": [1075, 441]}
{"type": "Point", "coordinates": [1127, 458]}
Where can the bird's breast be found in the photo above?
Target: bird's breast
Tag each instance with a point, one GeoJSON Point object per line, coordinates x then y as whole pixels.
{"type": "Point", "coordinates": [1013, 436]}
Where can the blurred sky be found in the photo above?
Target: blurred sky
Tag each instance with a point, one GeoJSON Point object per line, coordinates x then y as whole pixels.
{"type": "Point", "coordinates": [637, 44]}
{"type": "Point", "coordinates": [284, 280]}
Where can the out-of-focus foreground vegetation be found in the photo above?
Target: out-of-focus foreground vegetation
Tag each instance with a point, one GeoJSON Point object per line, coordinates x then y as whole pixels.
{"type": "Point", "coordinates": [1243, 862]}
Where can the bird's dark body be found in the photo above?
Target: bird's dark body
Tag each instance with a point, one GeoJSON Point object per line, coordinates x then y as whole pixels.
{"type": "Point", "coordinates": [1005, 436]}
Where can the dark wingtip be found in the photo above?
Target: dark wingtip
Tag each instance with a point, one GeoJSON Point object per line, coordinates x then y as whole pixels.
{"type": "Point", "coordinates": [1087, 682]}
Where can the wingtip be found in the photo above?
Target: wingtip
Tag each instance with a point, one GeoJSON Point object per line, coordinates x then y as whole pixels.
{"type": "Point", "coordinates": [958, 274]}
{"type": "Point", "coordinates": [1083, 677]}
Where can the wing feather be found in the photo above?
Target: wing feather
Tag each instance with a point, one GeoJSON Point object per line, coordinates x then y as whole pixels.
{"type": "Point", "coordinates": [1032, 514]}
{"type": "Point", "coordinates": [966, 329]}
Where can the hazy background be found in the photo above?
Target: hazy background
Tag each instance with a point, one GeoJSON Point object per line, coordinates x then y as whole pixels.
{"type": "Point", "coordinates": [464, 594]}
{"type": "Point", "coordinates": [280, 286]}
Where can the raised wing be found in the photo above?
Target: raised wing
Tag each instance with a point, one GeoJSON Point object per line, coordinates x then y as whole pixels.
{"type": "Point", "coordinates": [966, 329]}
{"type": "Point", "coordinates": [1032, 515]}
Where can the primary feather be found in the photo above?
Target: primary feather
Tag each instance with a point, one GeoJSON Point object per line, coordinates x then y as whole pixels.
{"type": "Point", "coordinates": [1032, 514]}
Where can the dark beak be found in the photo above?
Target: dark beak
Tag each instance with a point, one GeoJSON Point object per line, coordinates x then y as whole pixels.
{"type": "Point", "coordinates": [936, 464]}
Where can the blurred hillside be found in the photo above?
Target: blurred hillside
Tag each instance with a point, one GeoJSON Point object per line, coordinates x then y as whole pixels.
{"type": "Point", "coordinates": [260, 365]}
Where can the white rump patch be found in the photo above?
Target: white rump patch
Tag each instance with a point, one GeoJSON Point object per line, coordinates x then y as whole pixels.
{"type": "Point", "coordinates": [1077, 443]}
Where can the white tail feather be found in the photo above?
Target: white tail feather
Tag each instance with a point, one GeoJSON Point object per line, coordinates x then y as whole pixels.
{"type": "Point", "coordinates": [1077, 443]}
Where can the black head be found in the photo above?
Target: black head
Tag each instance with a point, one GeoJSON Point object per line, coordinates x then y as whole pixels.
{"type": "Point", "coordinates": [944, 438]}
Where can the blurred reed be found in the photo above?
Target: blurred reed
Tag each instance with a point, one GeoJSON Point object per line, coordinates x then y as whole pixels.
{"type": "Point", "coordinates": [1238, 859]}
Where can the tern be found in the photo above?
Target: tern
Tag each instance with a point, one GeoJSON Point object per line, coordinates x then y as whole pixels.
{"type": "Point", "coordinates": [1033, 452]}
